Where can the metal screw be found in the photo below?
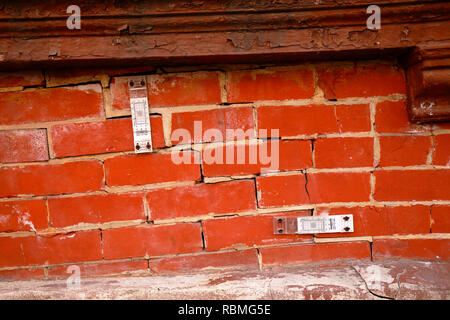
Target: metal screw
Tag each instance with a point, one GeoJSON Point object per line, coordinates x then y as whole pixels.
{"type": "Point", "coordinates": [347, 229]}
{"type": "Point", "coordinates": [131, 83]}
{"type": "Point", "coordinates": [280, 230]}
{"type": "Point", "coordinates": [345, 218]}
{"type": "Point", "coordinates": [142, 83]}
{"type": "Point", "coordinates": [138, 146]}
{"type": "Point", "coordinates": [148, 145]}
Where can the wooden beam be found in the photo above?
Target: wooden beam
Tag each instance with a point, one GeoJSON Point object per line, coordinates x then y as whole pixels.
{"type": "Point", "coordinates": [33, 34]}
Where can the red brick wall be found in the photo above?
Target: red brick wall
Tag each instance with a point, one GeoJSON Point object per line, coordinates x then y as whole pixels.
{"type": "Point", "coordinates": [74, 193]}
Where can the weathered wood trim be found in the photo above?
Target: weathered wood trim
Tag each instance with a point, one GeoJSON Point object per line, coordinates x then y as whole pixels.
{"type": "Point", "coordinates": [34, 34]}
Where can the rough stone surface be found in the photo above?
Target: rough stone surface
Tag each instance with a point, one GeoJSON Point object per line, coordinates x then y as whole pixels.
{"type": "Point", "coordinates": [387, 280]}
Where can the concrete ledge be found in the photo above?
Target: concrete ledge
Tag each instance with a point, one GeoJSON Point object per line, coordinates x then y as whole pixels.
{"type": "Point", "coordinates": [359, 280]}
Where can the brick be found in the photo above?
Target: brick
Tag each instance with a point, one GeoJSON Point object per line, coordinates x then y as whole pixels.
{"type": "Point", "coordinates": [218, 119]}
{"type": "Point", "coordinates": [326, 187]}
{"type": "Point", "coordinates": [440, 219]}
{"type": "Point", "coordinates": [99, 269]}
{"type": "Point", "coordinates": [292, 155]}
{"type": "Point", "coordinates": [267, 84]}
{"type": "Point", "coordinates": [112, 135]}
{"type": "Point", "coordinates": [404, 150]}
{"type": "Point", "coordinates": [314, 253]}
{"type": "Point", "coordinates": [380, 221]}
{"type": "Point", "coordinates": [152, 240]}
{"type": "Point", "coordinates": [21, 78]}
{"type": "Point", "coordinates": [95, 209]}
{"type": "Point", "coordinates": [247, 231]}
{"type": "Point", "coordinates": [60, 77]}
{"type": "Point", "coordinates": [441, 154]}
{"type": "Point", "coordinates": [50, 249]}
{"type": "Point", "coordinates": [190, 88]}
{"type": "Point", "coordinates": [360, 80]}
{"type": "Point", "coordinates": [55, 104]}
{"type": "Point", "coordinates": [314, 119]}
{"type": "Point", "coordinates": [412, 185]}
{"type": "Point", "coordinates": [29, 215]}
{"type": "Point", "coordinates": [392, 117]}
{"type": "Point", "coordinates": [22, 274]}
{"type": "Point", "coordinates": [441, 126]}
{"type": "Point", "coordinates": [120, 96]}
{"type": "Point", "coordinates": [245, 259]}
{"type": "Point", "coordinates": [278, 191]}
{"type": "Point", "coordinates": [146, 169]}
{"type": "Point", "coordinates": [202, 199]}
{"type": "Point", "coordinates": [343, 152]}
{"type": "Point", "coordinates": [422, 249]}
{"type": "Point", "coordinates": [23, 145]}
{"type": "Point", "coordinates": [70, 177]}
{"type": "Point", "coordinates": [175, 89]}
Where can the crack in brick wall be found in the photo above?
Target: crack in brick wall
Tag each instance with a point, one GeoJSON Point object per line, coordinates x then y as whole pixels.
{"type": "Point", "coordinates": [73, 192]}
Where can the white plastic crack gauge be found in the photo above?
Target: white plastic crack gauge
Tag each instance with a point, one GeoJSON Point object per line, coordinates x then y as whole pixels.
{"type": "Point", "coordinates": [315, 224]}
{"type": "Point", "coordinates": [139, 114]}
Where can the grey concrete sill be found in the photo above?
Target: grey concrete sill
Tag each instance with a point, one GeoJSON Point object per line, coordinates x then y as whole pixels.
{"type": "Point", "coordinates": [358, 280]}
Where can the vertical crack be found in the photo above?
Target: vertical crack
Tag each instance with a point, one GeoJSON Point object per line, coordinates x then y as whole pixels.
{"type": "Point", "coordinates": [306, 187]}
{"type": "Point", "coordinates": [203, 237]}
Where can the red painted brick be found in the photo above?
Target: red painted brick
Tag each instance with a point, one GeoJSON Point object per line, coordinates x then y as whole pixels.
{"type": "Point", "coordinates": [150, 168]}
{"type": "Point", "coordinates": [70, 177]}
{"type": "Point", "coordinates": [176, 89]}
{"type": "Point", "coordinates": [440, 217]}
{"type": "Point", "coordinates": [441, 125]}
{"type": "Point", "coordinates": [95, 209]}
{"type": "Point", "coordinates": [380, 221]}
{"type": "Point", "coordinates": [313, 253]}
{"type": "Point", "coordinates": [404, 185]}
{"type": "Point", "coordinates": [277, 191]}
{"type": "Point", "coordinates": [247, 231]}
{"type": "Point", "coordinates": [55, 104]}
{"type": "Point", "coordinates": [191, 88]}
{"type": "Point", "coordinates": [50, 249]}
{"type": "Point", "coordinates": [392, 117]}
{"type": "Point", "coordinates": [99, 269]}
{"type": "Point", "coordinates": [120, 95]}
{"type": "Point", "coordinates": [202, 199]}
{"type": "Point", "coordinates": [441, 154]}
{"type": "Point", "coordinates": [58, 77]}
{"type": "Point", "coordinates": [314, 119]}
{"type": "Point", "coordinates": [22, 274]}
{"type": "Point", "coordinates": [404, 150]}
{"type": "Point", "coordinates": [23, 145]}
{"type": "Point", "coordinates": [254, 85]}
{"type": "Point", "coordinates": [29, 215]}
{"type": "Point", "coordinates": [152, 240]}
{"type": "Point", "coordinates": [112, 135]}
{"type": "Point", "coordinates": [292, 155]}
{"type": "Point", "coordinates": [21, 78]}
{"type": "Point", "coordinates": [245, 259]}
{"type": "Point", "coordinates": [219, 119]}
{"type": "Point", "coordinates": [343, 152]}
{"type": "Point", "coordinates": [326, 187]}
{"type": "Point", "coordinates": [423, 249]}
{"type": "Point", "coordinates": [360, 80]}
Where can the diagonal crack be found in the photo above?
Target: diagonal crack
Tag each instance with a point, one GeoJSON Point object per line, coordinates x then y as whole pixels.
{"type": "Point", "coordinates": [367, 287]}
